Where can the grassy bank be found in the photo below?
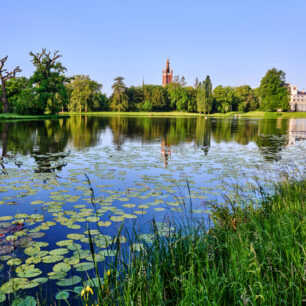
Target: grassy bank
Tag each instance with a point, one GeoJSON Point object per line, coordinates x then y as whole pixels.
{"type": "Point", "coordinates": [5, 117]}
{"type": "Point", "coordinates": [256, 114]}
{"type": "Point", "coordinates": [252, 255]}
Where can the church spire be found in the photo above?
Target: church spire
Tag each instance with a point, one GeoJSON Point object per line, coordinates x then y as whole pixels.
{"type": "Point", "coordinates": [167, 74]}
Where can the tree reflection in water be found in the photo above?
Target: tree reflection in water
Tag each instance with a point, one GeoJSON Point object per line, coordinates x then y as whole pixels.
{"type": "Point", "coordinates": [50, 141]}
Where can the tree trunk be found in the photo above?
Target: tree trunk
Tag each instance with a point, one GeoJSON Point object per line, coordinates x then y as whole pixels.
{"type": "Point", "coordinates": [4, 97]}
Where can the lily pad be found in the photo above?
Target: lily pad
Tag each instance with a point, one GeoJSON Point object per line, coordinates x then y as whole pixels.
{"type": "Point", "coordinates": [61, 251]}
{"type": "Point", "coordinates": [62, 295]}
{"type": "Point", "coordinates": [61, 267]}
{"type": "Point", "coordinates": [14, 262]}
{"type": "Point", "coordinates": [52, 258]}
{"type": "Point", "coordinates": [2, 297]}
{"type": "Point", "coordinates": [69, 281]}
{"type": "Point", "coordinates": [84, 266]}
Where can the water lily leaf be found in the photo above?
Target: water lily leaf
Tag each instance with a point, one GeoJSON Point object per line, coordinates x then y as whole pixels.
{"type": "Point", "coordinates": [52, 258]}
{"type": "Point", "coordinates": [32, 250]}
{"type": "Point", "coordinates": [12, 285]}
{"type": "Point", "coordinates": [98, 258]}
{"type": "Point", "coordinates": [93, 219]}
{"type": "Point", "coordinates": [36, 235]}
{"type": "Point", "coordinates": [129, 216]}
{"type": "Point", "coordinates": [40, 280]}
{"type": "Point", "coordinates": [129, 205]}
{"type": "Point", "coordinates": [69, 281]}
{"type": "Point", "coordinates": [84, 266]}
{"type": "Point", "coordinates": [27, 301]}
{"type": "Point", "coordinates": [117, 218]}
{"type": "Point", "coordinates": [62, 295]}
{"type": "Point", "coordinates": [60, 275]}
{"type": "Point", "coordinates": [81, 254]}
{"type": "Point", "coordinates": [75, 236]}
{"type": "Point", "coordinates": [63, 243]}
{"type": "Point", "coordinates": [28, 273]}
{"type": "Point", "coordinates": [29, 285]}
{"type": "Point", "coordinates": [2, 297]}
{"type": "Point", "coordinates": [6, 218]}
{"type": "Point", "coordinates": [37, 202]}
{"type": "Point", "coordinates": [33, 260]}
{"type": "Point", "coordinates": [105, 224]}
{"type": "Point", "coordinates": [72, 260]}
{"type": "Point", "coordinates": [61, 251]}
{"type": "Point", "coordinates": [14, 262]}
{"type": "Point", "coordinates": [61, 267]}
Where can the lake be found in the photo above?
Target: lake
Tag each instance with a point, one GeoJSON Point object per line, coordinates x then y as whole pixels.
{"type": "Point", "coordinates": [59, 178]}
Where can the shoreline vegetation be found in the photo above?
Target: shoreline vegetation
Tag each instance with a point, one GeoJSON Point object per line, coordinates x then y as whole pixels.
{"type": "Point", "coordinates": [50, 90]}
{"type": "Point", "coordinates": [253, 254]}
{"type": "Point", "coordinates": [255, 115]}
{"type": "Point", "coordinates": [9, 116]}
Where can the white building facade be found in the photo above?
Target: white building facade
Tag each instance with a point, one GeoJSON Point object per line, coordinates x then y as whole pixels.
{"type": "Point", "coordinates": [297, 99]}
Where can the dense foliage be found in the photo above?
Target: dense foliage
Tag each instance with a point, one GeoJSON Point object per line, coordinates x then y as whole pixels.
{"type": "Point", "coordinates": [274, 91]}
{"type": "Point", "coordinates": [49, 90]}
{"type": "Point", "coordinates": [85, 95]}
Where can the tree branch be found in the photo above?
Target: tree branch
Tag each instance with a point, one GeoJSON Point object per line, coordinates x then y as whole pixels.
{"type": "Point", "coordinates": [2, 62]}
{"type": "Point", "coordinates": [10, 75]}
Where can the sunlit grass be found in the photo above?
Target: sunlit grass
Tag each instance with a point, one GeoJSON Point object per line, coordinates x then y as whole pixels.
{"type": "Point", "coordinates": [252, 255]}
{"type": "Point", "coordinates": [254, 114]}
{"type": "Point", "coordinates": [10, 116]}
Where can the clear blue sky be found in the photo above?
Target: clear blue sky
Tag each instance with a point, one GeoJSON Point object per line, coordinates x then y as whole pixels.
{"type": "Point", "coordinates": [233, 41]}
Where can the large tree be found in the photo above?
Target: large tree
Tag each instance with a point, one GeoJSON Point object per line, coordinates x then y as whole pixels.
{"type": "Point", "coordinates": [48, 81]}
{"type": "Point", "coordinates": [204, 96]}
{"type": "Point", "coordinates": [119, 99]}
{"type": "Point", "coordinates": [224, 99]}
{"type": "Point", "coordinates": [83, 94]}
{"type": "Point", "coordinates": [274, 92]}
{"type": "Point", "coordinates": [5, 76]}
{"type": "Point", "coordinates": [246, 98]}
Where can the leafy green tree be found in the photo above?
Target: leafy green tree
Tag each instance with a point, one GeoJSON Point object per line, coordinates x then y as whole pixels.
{"type": "Point", "coordinates": [204, 96]}
{"type": "Point", "coordinates": [155, 98]}
{"type": "Point", "coordinates": [192, 99]}
{"type": "Point", "coordinates": [246, 98]}
{"type": "Point", "coordinates": [5, 76]}
{"type": "Point", "coordinates": [48, 82]}
{"type": "Point", "coordinates": [224, 99]}
{"type": "Point", "coordinates": [14, 88]}
{"type": "Point", "coordinates": [274, 92]}
{"type": "Point", "coordinates": [84, 94]}
{"type": "Point", "coordinates": [178, 97]}
{"type": "Point", "coordinates": [119, 99]}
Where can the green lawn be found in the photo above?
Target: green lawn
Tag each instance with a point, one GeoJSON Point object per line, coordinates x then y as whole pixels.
{"type": "Point", "coordinates": [9, 116]}
{"type": "Point", "coordinates": [256, 114]}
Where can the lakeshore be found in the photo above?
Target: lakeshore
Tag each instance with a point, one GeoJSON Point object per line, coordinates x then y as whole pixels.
{"type": "Point", "coordinates": [61, 178]}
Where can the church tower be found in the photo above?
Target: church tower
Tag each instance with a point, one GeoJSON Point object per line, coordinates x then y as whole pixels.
{"type": "Point", "coordinates": [167, 74]}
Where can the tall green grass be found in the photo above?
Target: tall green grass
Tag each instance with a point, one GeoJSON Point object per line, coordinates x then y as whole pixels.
{"type": "Point", "coordinates": [250, 256]}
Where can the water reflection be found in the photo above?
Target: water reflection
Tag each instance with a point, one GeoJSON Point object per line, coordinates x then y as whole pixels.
{"type": "Point", "coordinates": [47, 140]}
{"type": "Point", "coordinates": [297, 131]}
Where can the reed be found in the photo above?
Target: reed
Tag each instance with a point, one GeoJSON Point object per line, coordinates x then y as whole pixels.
{"type": "Point", "coordinates": [249, 256]}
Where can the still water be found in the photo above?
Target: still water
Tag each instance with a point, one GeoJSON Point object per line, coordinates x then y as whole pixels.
{"type": "Point", "coordinates": [60, 177]}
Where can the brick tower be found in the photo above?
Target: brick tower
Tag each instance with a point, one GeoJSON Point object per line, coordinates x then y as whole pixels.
{"type": "Point", "coordinates": [167, 74]}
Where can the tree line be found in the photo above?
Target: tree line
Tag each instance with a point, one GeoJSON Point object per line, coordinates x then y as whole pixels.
{"type": "Point", "coordinates": [49, 90]}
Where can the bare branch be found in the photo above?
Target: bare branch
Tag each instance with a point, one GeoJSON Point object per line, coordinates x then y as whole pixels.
{"type": "Point", "coordinates": [10, 75]}
{"type": "Point", "coordinates": [2, 62]}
